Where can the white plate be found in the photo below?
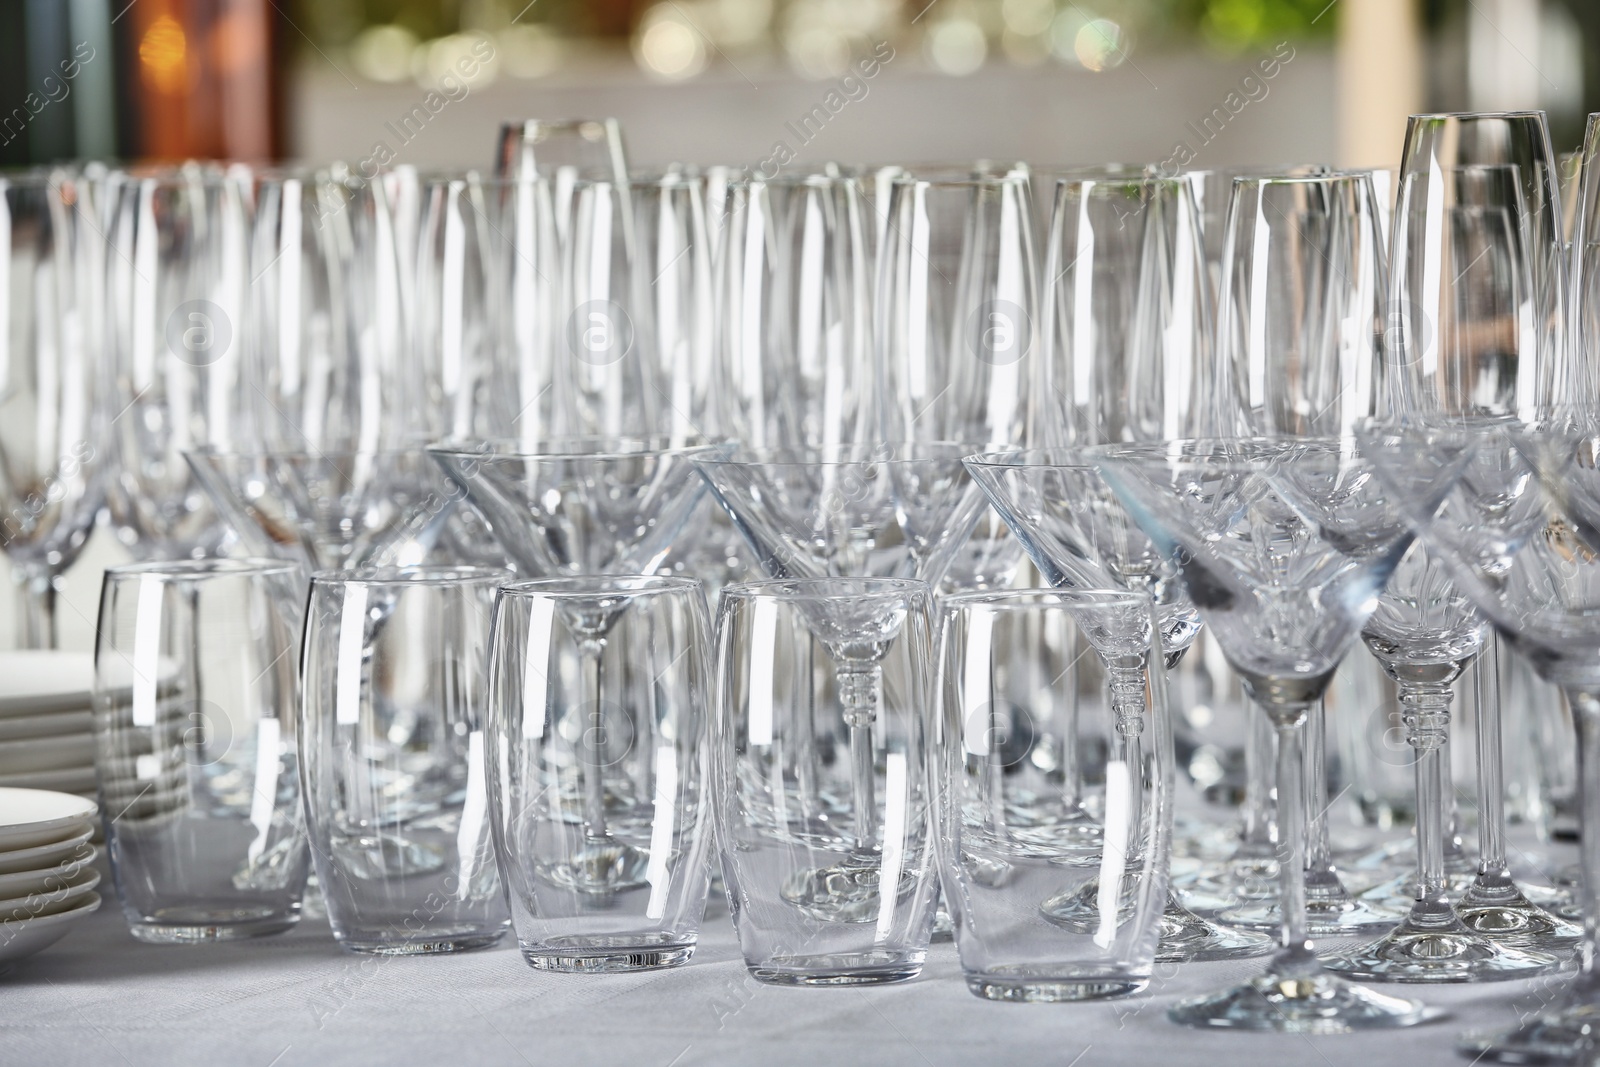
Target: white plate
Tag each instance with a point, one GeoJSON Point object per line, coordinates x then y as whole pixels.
{"type": "Point", "coordinates": [31, 817]}
{"type": "Point", "coordinates": [46, 754]}
{"type": "Point", "coordinates": [59, 876]}
{"type": "Point", "coordinates": [55, 724]}
{"type": "Point", "coordinates": [38, 905]}
{"type": "Point", "coordinates": [31, 859]}
{"type": "Point", "coordinates": [18, 940]}
{"type": "Point", "coordinates": [67, 780]}
{"type": "Point", "coordinates": [34, 681]}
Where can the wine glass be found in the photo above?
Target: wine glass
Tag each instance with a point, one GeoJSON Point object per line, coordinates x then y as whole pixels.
{"type": "Point", "coordinates": [1283, 545]}
{"type": "Point", "coordinates": [794, 359]}
{"type": "Point", "coordinates": [563, 151]}
{"type": "Point", "coordinates": [52, 417]}
{"type": "Point", "coordinates": [1476, 329]}
{"type": "Point", "coordinates": [176, 291]}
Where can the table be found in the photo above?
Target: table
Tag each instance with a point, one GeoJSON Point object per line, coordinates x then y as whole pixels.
{"type": "Point", "coordinates": [101, 999]}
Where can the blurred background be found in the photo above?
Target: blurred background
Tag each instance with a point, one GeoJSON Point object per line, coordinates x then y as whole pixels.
{"type": "Point", "coordinates": [1190, 83]}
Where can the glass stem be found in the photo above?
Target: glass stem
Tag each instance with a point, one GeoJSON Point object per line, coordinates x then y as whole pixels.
{"type": "Point", "coordinates": [594, 786]}
{"type": "Point", "coordinates": [1586, 718]}
{"type": "Point", "coordinates": [36, 607]}
{"type": "Point", "coordinates": [1426, 712]}
{"type": "Point", "coordinates": [858, 692]}
{"type": "Point", "coordinates": [1292, 828]}
{"type": "Point", "coordinates": [1492, 865]}
{"type": "Point", "coordinates": [1127, 708]}
{"type": "Point", "coordinates": [1321, 879]}
{"type": "Point", "coordinates": [1258, 823]}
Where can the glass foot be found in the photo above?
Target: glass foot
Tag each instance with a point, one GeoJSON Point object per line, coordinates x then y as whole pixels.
{"type": "Point", "coordinates": [1327, 915]}
{"type": "Point", "coordinates": [1497, 908]}
{"type": "Point", "coordinates": [1296, 996]}
{"type": "Point", "coordinates": [847, 892]}
{"type": "Point", "coordinates": [1568, 1031]}
{"type": "Point", "coordinates": [602, 954]}
{"type": "Point", "coordinates": [864, 968]}
{"type": "Point", "coordinates": [1439, 949]}
{"type": "Point", "coordinates": [1400, 891]}
{"type": "Point", "coordinates": [1018, 986]}
{"type": "Point", "coordinates": [1187, 938]}
{"type": "Point", "coordinates": [603, 866]}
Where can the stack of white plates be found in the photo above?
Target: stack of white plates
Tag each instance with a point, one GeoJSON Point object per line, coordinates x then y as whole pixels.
{"type": "Point", "coordinates": [46, 741]}
{"type": "Point", "coordinates": [46, 878]}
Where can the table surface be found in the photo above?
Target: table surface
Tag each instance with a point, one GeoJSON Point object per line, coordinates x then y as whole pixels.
{"type": "Point", "coordinates": [100, 998]}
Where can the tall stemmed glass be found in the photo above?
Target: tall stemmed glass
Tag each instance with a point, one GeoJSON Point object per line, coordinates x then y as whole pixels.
{"type": "Point", "coordinates": [1476, 330]}
{"type": "Point", "coordinates": [897, 510]}
{"type": "Point", "coordinates": [563, 151]}
{"type": "Point", "coordinates": [176, 281]}
{"type": "Point", "coordinates": [1584, 275]}
{"type": "Point", "coordinates": [584, 507]}
{"type": "Point", "coordinates": [52, 418]}
{"type": "Point", "coordinates": [1517, 531]}
{"type": "Point", "coordinates": [1284, 546]}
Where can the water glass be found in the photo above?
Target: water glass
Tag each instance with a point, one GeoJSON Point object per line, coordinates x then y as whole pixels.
{"type": "Point", "coordinates": [599, 691]}
{"type": "Point", "coordinates": [1054, 768]}
{"type": "Point", "coordinates": [194, 734]}
{"type": "Point", "coordinates": [822, 795]}
{"type": "Point", "coordinates": [392, 752]}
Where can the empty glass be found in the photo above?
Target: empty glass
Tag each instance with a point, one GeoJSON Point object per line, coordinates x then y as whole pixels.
{"type": "Point", "coordinates": [392, 757]}
{"type": "Point", "coordinates": [194, 734]}
{"type": "Point", "coordinates": [599, 694]}
{"type": "Point", "coordinates": [1053, 786]}
{"type": "Point", "coordinates": [822, 801]}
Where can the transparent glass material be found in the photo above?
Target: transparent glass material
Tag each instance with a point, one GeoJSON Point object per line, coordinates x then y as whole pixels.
{"type": "Point", "coordinates": [392, 743]}
{"type": "Point", "coordinates": [1054, 776]}
{"type": "Point", "coordinates": [1510, 511]}
{"type": "Point", "coordinates": [794, 339]}
{"type": "Point", "coordinates": [1284, 546]}
{"type": "Point", "coordinates": [194, 732]}
{"type": "Point", "coordinates": [177, 279]}
{"type": "Point", "coordinates": [52, 422]}
{"type": "Point", "coordinates": [600, 698]}
{"type": "Point", "coordinates": [822, 798]}
{"type": "Point", "coordinates": [562, 151]}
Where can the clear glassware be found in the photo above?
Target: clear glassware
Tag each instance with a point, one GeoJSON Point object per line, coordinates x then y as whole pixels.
{"type": "Point", "coordinates": [828, 861]}
{"type": "Point", "coordinates": [562, 151]}
{"type": "Point", "coordinates": [1031, 673]}
{"type": "Point", "coordinates": [1509, 510]}
{"type": "Point", "coordinates": [487, 289]}
{"type": "Point", "coordinates": [600, 700]}
{"type": "Point", "coordinates": [177, 281]}
{"type": "Point", "coordinates": [794, 361]}
{"type": "Point", "coordinates": [1283, 545]}
{"type": "Point", "coordinates": [52, 408]}
{"type": "Point", "coordinates": [392, 757]}
{"type": "Point", "coordinates": [576, 506]}
{"type": "Point", "coordinates": [1581, 199]}
{"type": "Point", "coordinates": [194, 728]}
{"type": "Point", "coordinates": [1477, 328]}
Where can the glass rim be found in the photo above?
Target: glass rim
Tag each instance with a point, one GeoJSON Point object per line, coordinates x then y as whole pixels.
{"type": "Point", "coordinates": [208, 452]}
{"type": "Point", "coordinates": [1010, 179]}
{"type": "Point", "coordinates": [1067, 457]}
{"type": "Point", "coordinates": [816, 588]}
{"type": "Point", "coordinates": [181, 570]}
{"type": "Point", "coordinates": [606, 448]}
{"type": "Point", "coordinates": [1335, 177]}
{"type": "Point", "coordinates": [1244, 452]}
{"type": "Point", "coordinates": [832, 455]}
{"type": "Point", "coordinates": [604, 122]}
{"type": "Point", "coordinates": [1477, 116]}
{"type": "Point", "coordinates": [1022, 598]}
{"type": "Point", "coordinates": [584, 586]}
{"type": "Point", "coordinates": [810, 180]}
{"type": "Point", "coordinates": [423, 575]}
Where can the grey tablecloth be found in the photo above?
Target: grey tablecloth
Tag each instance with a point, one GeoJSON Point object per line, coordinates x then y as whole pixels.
{"type": "Point", "coordinates": [101, 998]}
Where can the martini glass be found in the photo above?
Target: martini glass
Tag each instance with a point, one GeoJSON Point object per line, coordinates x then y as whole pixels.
{"type": "Point", "coordinates": [1080, 537]}
{"type": "Point", "coordinates": [1284, 547]}
{"type": "Point", "coordinates": [1518, 528]}
{"type": "Point", "coordinates": [585, 507]}
{"type": "Point", "coordinates": [902, 510]}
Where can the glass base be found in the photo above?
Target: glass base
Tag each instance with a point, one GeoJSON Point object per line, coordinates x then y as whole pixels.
{"type": "Point", "coordinates": [1497, 908]}
{"type": "Point", "coordinates": [1327, 915]}
{"type": "Point", "coordinates": [1398, 892]}
{"type": "Point", "coordinates": [1296, 996]}
{"type": "Point", "coordinates": [839, 968]}
{"type": "Point", "coordinates": [196, 925]}
{"type": "Point", "coordinates": [1047, 987]}
{"type": "Point", "coordinates": [426, 943]}
{"type": "Point", "coordinates": [1564, 1032]}
{"type": "Point", "coordinates": [1187, 938]}
{"type": "Point", "coordinates": [602, 867]}
{"type": "Point", "coordinates": [605, 955]}
{"type": "Point", "coordinates": [846, 892]}
{"type": "Point", "coordinates": [1439, 948]}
